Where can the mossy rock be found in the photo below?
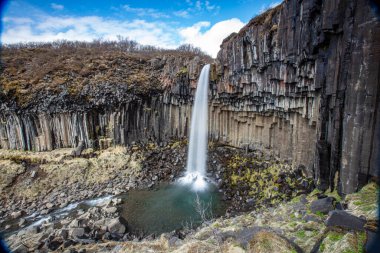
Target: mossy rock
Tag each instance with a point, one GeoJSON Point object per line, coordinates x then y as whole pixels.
{"type": "Point", "coordinates": [364, 202]}
{"type": "Point", "coordinates": [340, 242]}
{"type": "Point", "coordinates": [269, 242]}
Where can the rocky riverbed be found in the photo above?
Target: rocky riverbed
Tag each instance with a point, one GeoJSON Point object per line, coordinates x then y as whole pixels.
{"type": "Point", "coordinates": [37, 186]}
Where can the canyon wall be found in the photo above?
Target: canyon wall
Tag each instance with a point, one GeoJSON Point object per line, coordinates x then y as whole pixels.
{"type": "Point", "coordinates": [301, 80]}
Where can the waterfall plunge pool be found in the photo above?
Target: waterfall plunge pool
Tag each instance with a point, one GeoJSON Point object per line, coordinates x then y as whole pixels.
{"type": "Point", "coordinates": [169, 207]}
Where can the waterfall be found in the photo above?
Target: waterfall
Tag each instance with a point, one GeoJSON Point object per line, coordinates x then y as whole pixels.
{"type": "Point", "coordinates": [197, 153]}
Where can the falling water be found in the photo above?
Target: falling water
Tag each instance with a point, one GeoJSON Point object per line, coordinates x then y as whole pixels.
{"type": "Point", "coordinates": [197, 154]}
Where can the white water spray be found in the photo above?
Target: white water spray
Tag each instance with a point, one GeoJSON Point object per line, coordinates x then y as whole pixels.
{"type": "Point", "coordinates": [197, 154]}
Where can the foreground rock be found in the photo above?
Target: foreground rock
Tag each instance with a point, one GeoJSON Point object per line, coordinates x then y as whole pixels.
{"type": "Point", "coordinates": [285, 228]}
{"type": "Point", "coordinates": [93, 225]}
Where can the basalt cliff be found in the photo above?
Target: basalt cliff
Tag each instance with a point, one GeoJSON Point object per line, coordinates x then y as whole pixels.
{"type": "Point", "coordinates": [300, 80]}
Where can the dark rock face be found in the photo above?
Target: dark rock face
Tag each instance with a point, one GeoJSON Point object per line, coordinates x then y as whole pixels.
{"type": "Point", "coordinates": [345, 220]}
{"type": "Point", "coordinates": [301, 79]}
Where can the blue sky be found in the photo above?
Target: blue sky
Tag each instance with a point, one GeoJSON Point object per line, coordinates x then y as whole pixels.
{"type": "Point", "coordinates": [203, 23]}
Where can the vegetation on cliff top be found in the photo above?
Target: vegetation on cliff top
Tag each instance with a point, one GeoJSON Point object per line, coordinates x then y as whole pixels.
{"type": "Point", "coordinates": [68, 67]}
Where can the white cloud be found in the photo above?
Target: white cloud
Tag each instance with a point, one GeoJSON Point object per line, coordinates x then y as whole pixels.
{"type": "Point", "coordinates": [17, 20]}
{"type": "Point", "coordinates": [145, 12]}
{"type": "Point", "coordinates": [87, 28]}
{"type": "Point", "coordinates": [210, 7]}
{"type": "Point", "coordinates": [210, 40]}
{"type": "Point", "coordinates": [57, 6]}
{"type": "Point", "coordinates": [182, 14]}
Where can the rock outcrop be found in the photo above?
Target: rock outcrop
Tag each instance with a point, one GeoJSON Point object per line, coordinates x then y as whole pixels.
{"type": "Point", "coordinates": [301, 79]}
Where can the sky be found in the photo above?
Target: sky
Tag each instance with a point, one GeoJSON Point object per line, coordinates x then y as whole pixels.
{"type": "Point", "coordinates": [163, 23]}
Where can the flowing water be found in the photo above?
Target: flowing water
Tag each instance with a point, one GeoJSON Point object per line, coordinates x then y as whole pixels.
{"type": "Point", "coordinates": [197, 154]}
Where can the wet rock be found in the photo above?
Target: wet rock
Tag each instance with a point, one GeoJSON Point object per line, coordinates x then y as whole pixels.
{"type": "Point", "coordinates": [323, 205]}
{"type": "Point", "coordinates": [345, 220]}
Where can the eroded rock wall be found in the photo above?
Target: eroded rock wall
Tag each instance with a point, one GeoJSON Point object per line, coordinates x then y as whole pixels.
{"type": "Point", "coordinates": [104, 114]}
{"type": "Point", "coordinates": [303, 79]}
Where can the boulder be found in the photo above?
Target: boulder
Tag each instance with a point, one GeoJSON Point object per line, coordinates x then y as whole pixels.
{"type": "Point", "coordinates": [111, 210]}
{"type": "Point", "coordinates": [324, 205]}
{"type": "Point", "coordinates": [77, 232]}
{"type": "Point", "coordinates": [17, 214]}
{"type": "Point", "coordinates": [116, 226]}
{"type": "Point", "coordinates": [340, 218]}
{"type": "Point", "coordinates": [54, 244]}
{"type": "Point", "coordinates": [49, 205]}
{"type": "Point", "coordinates": [78, 150]}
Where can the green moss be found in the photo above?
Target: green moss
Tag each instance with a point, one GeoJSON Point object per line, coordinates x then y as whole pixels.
{"type": "Point", "coordinates": [301, 234]}
{"type": "Point", "coordinates": [322, 247]}
{"type": "Point", "coordinates": [334, 236]}
{"type": "Point", "coordinates": [320, 214]}
{"type": "Point", "coordinates": [182, 71]}
{"type": "Point", "coordinates": [334, 194]}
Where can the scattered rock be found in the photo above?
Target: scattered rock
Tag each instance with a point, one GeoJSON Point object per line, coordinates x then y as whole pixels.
{"type": "Point", "coordinates": [323, 205]}
{"type": "Point", "coordinates": [20, 249]}
{"type": "Point", "coordinates": [22, 222]}
{"type": "Point", "coordinates": [77, 232]}
{"type": "Point", "coordinates": [343, 219]}
{"type": "Point", "coordinates": [116, 226]}
{"type": "Point", "coordinates": [111, 210]}
{"type": "Point", "coordinates": [17, 214]}
{"type": "Point", "coordinates": [49, 205]}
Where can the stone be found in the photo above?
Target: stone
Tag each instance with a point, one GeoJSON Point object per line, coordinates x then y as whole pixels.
{"type": "Point", "coordinates": [64, 233]}
{"type": "Point", "coordinates": [343, 219]}
{"type": "Point", "coordinates": [33, 174]}
{"type": "Point", "coordinates": [116, 226]}
{"type": "Point", "coordinates": [17, 214]}
{"type": "Point", "coordinates": [22, 222]}
{"type": "Point", "coordinates": [323, 205]}
{"type": "Point", "coordinates": [77, 232]}
{"type": "Point", "coordinates": [68, 243]}
{"type": "Point", "coordinates": [78, 150]}
{"type": "Point", "coordinates": [111, 210]}
{"type": "Point", "coordinates": [49, 205]}
{"type": "Point", "coordinates": [20, 249]}
{"type": "Point", "coordinates": [54, 244]}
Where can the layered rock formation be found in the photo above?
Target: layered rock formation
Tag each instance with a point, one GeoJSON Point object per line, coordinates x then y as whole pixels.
{"type": "Point", "coordinates": [119, 107]}
{"type": "Point", "coordinates": [301, 79]}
